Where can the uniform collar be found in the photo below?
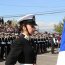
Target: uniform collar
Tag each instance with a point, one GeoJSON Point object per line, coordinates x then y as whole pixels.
{"type": "Point", "coordinates": [26, 36]}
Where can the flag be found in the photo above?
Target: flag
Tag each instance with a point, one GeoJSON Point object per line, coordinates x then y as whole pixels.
{"type": "Point", "coordinates": [61, 55]}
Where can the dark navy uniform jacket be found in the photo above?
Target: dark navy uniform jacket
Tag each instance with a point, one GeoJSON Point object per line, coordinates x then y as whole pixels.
{"type": "Point", "coordinates": [22, 51]}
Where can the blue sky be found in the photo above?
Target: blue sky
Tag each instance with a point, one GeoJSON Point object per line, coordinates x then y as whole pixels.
{"type": "Point", "coordinates": [19, 7]}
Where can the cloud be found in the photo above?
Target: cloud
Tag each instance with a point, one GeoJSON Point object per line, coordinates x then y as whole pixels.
{"type": "Point", "coordinates": [46, 26]}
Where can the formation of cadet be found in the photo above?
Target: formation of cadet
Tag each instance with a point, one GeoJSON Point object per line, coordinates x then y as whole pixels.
{"type": "Point", "coordinates": [5, 44]}
{"type": "Point", "coordinates": [41, 43]}
{"type": "Point", "coordinates": [44, 41]}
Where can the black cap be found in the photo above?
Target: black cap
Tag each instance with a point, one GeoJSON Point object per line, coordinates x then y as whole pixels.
{"type": "Point", "coordinates": [28, 19]}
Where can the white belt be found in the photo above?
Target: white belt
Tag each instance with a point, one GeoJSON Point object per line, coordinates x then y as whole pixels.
{"type": "Point", "coordinates": [2, 42]}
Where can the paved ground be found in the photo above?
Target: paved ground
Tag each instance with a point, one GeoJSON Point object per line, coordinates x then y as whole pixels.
{"type": "Point", "coordinates": [47, 59]}
{"type": "Point", "coordinates": [43, 59]}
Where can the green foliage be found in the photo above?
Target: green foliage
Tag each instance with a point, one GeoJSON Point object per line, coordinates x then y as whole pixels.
{"type": "Point", "coordinates": [58, 28]}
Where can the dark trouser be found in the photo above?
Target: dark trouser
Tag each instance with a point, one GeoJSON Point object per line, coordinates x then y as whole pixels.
{"type": "Point", "coordinates": [7, 50]}
{"type": "Point", "coordinates": [2, 51]}
{"type": "Point", "coordinates": [52, 48]}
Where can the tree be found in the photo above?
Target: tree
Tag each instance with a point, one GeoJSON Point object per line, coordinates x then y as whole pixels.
{"type": "Point", "coordinates": [14, 22]}
{"type": "Point", "coordinates": [58, 28]}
